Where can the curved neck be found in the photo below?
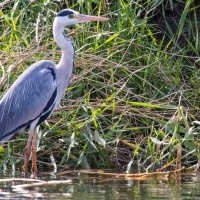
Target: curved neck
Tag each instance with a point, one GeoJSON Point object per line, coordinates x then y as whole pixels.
{"type": "Point", "coordinates": [64, 43]}
{"type": "Point", "coordinates": [66, 64]}
{"type": "Point", "coordinates": [58, 31]}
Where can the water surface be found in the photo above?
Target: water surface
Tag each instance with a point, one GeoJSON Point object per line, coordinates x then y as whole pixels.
{"type": "Point", "coordinates": [184, 186]}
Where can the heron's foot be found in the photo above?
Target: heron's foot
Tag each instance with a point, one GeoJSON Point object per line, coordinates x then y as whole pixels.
{"type": "Point", "coordinates": [34, 152]}
{"type": "Point", "coordinates": [26, 160]}
{"type": "Point", "coordinates": [34, 162]}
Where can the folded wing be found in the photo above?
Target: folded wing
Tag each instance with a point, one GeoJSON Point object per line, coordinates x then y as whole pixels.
{"type": "Point", "coordinates": [30, 100]}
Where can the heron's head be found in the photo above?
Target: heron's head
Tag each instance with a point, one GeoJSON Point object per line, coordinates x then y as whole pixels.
{"type": "Point", "coordinates": [67, 16]}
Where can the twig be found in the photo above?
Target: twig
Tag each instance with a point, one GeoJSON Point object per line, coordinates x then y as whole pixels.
{"type": "Point", "coordinates": [5, 2]}
{"type": "Point", "coordinates": [21, 179]}
{"type": "Point", "coordinates": [41, 184]}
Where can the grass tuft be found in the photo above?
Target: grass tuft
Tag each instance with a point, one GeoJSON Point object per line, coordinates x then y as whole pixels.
{"type": "Point", "coordinates": [134, 97]}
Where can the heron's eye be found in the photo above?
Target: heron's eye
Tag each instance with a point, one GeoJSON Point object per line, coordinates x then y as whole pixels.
{"type": "Point", "coordinates": [70, 16]}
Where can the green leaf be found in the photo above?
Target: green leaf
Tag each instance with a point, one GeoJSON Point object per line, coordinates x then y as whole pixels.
{"type": "Point", "coordinates": [171, 126]}
{"type": "Point", "coordinates": [153, 105]}
{"type": "Point", "coordinates": [1, 149]}
{"type": "Point", "coordinates": [111, 37]}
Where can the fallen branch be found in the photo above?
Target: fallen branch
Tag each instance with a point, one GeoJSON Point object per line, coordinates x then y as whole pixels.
{"type": "Point", "coordinates": [21, 179]}
{"type": "Point", "coordinates": [41, 184]}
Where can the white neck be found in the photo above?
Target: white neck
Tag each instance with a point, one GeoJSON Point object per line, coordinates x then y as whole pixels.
{"type": "Point", "coordinates": [58, 31]}
{"type": "Point", "coordinates": [66, 64]}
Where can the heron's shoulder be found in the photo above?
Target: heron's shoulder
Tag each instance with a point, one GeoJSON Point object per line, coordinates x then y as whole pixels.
{"type": "Point", "coordinates": [37, 71]}
{"type": "Point", "coordinates": [39, 68]}
{"type": "Point", "coordinates": [43, 64]}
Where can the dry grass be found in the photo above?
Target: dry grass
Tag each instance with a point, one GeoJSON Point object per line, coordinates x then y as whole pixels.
{"type": "Point", "coordinates": [131, 101]}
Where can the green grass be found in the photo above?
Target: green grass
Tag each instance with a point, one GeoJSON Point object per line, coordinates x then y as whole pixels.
{"type": "Point", "coordinates": [134, 96]}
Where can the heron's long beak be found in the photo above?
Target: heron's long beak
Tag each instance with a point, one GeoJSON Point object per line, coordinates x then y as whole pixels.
{"type": "Point", "coordinates": [89, 18]}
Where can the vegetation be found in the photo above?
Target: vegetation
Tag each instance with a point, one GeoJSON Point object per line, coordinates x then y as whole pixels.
{"type": "Point", "coordinates": [134, 96]}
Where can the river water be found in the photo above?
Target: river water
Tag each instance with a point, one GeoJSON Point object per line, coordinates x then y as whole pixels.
{"type": "Point", "coordinates": [88, 187]}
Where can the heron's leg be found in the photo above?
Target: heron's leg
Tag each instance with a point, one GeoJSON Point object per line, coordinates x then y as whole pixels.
{"type": "Point", "coordinates": [34, 151]}
{"type": "Point", "coordinates": [27, 152]}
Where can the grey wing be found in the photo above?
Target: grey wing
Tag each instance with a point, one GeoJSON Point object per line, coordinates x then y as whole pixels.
{"type": "Point", "coordinates": [30, 99]}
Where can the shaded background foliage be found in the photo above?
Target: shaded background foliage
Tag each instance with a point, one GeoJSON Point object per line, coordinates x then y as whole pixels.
{"type": "Point", "coordinates": [134, 96]}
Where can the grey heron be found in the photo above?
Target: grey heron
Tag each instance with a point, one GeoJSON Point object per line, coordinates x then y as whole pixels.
{"type": "Point", "coordinates": [38, 90]}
